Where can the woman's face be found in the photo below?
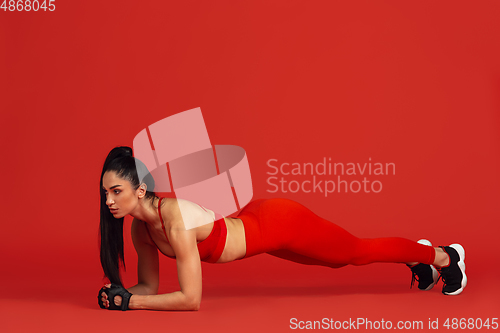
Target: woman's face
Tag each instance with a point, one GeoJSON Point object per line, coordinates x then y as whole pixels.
{"type": "Point", "coordinates": [120, 196]}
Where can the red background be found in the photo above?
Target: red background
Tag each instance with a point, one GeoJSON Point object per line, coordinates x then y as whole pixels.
{"type": "Point", "coordinates": [412, 83]}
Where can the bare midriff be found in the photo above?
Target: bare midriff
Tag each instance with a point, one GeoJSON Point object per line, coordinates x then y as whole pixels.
{"type": "Point", "coordinates": [235, 242]}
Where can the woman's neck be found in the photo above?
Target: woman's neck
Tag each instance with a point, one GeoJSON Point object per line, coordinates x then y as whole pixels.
{"type": "Point", "coordinates": [147, 212]}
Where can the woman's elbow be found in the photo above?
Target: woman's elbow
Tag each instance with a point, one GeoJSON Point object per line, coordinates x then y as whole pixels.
{"type": "Point", "coordinates": [194, 304]}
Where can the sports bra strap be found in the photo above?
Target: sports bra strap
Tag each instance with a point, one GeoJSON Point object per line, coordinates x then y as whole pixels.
{"type": "Point", "coordinates": [161, 219]}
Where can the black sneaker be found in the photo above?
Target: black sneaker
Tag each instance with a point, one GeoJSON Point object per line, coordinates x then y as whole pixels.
{"type": "Point", "coordinates": [426, 275]}
{"type": "Point", "coordinates": [453, 275]}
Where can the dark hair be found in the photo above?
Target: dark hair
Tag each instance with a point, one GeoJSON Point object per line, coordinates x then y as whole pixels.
{"type": "Point", "coordinates": [121, 161]}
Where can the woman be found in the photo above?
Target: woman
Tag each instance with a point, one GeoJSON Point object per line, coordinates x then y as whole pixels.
{"type": "Point", "coordinates": [280, 227]}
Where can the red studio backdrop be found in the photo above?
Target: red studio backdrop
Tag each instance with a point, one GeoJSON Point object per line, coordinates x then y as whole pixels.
{"type": "Point", "coordinates": [412, 85]}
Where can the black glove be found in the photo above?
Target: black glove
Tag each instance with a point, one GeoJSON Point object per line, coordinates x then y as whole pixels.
{"type": "Point", "coordinates": [111, 292]}
{"type": "Point", "coordinates": [99, 298]}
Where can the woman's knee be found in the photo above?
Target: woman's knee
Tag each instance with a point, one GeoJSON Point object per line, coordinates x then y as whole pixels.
{"type": "Point", "coordinates": [360, 254]}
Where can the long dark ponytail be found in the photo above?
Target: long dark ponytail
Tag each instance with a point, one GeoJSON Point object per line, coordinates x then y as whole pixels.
{"type": "Point", "coordinates": [121, 161]}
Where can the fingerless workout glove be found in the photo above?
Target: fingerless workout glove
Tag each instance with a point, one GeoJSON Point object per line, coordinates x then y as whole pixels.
{"type": "Point", "coordinates": [111, 292]}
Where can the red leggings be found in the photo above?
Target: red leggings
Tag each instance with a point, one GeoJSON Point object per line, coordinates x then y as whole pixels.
{"type": "Point", "coordinates": [289, 230]}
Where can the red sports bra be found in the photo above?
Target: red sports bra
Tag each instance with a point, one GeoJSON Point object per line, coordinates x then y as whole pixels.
{"type": "Point", "coordinates": [211, 248]}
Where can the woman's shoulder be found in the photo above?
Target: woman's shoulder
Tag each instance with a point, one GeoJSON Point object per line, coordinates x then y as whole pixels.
{"type": "Point", "coordinates": [190, 214]}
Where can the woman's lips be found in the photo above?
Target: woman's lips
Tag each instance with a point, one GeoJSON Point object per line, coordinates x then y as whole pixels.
{"type": "Point", "coordinates": [113, 210]}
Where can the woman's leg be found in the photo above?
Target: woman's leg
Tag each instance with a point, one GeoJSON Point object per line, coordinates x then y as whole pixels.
{"type": "Point", "coordinates": [300, 259]}
{"type": "Point", "coordinates": [289, 230]}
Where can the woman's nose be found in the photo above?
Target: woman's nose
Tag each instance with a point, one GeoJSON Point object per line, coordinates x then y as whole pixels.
{"type": "Point", "coordinates": [109, 201]}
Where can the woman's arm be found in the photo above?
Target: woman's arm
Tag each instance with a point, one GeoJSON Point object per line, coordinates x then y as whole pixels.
{"type": "Point", "coordinates": [171, 301]}
{"type": "Point", "coordinates": [148, 266]}
{"type": "Point", "coordinates": [140, 289]}
{"type": "Point", "coordinates": [184, 245]}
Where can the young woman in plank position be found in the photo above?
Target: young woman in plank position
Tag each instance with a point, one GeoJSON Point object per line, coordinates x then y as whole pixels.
{"type": "Point", "coordinates": [279, 227]}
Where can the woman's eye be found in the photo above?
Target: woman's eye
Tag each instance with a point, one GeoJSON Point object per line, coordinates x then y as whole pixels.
{"type": "Point", "coordinates": [115, 191]}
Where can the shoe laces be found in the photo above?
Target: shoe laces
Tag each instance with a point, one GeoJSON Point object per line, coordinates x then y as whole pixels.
{"type": "Point", "coordinates": [414, 275]}
{"type": "Point", "coordinates": [441, 276]}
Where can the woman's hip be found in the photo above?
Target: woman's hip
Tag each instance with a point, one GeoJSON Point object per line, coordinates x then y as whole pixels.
{"type": "Point", "coordinates": [270, 224]}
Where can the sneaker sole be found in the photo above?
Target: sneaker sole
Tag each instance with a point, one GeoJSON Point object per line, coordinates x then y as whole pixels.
{"type": "Point", "coordinates": [435, 274]}
{"type": "Point", "coordinates": [461, 264]}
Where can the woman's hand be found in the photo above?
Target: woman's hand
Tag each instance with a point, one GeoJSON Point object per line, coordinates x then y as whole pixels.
{"type": "Point", "coordinates": [104, 298]}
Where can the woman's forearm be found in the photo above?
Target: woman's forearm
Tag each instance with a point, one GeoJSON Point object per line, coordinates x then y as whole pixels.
{"type": "Point", "coordinates": [140, 289]}
{"type": "Point", "coordinates": [171, 301]}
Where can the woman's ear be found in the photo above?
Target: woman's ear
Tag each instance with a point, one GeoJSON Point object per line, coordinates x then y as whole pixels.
{"type": "Point", "coordinates": [141, 190]}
